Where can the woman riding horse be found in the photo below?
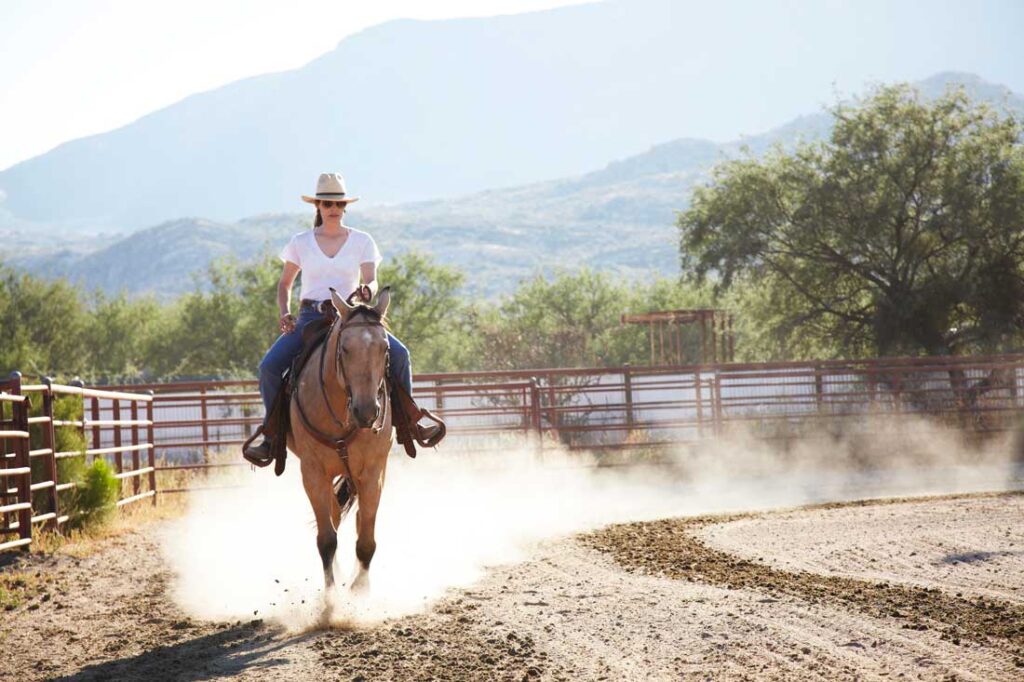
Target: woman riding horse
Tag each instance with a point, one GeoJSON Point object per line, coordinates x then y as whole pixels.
{"type": "Point", "coordinates": [331, 256]}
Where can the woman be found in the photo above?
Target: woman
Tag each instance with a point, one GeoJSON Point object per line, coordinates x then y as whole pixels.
{"type": "Point", "coordinates": [330, 255]}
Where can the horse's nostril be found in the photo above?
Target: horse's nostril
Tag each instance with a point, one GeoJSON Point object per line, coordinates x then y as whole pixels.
{"type": "Point", "coordinates": [366, 415]}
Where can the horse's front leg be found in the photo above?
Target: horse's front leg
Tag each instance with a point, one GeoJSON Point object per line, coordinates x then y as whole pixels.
{"type": "Point", "coordinates": [366, 521]}
{"type": "Point", "coordinates": [321, 497]}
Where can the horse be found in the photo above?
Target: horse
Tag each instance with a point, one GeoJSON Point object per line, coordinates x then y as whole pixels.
{"type": "Point", "coordinates": [341, 429]}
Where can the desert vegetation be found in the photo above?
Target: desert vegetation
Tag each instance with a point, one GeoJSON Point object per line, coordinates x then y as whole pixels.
{"type": "Point", "coordinates": [902, 233]}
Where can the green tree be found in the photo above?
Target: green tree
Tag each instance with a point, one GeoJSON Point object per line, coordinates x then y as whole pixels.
{"type": "Point", "coordinates": [221, 328]}
{"type": "Point", "coordinates": [563, 322]}
{"type": "Point", "coordinates": [427, 313]}
{"type": "Point", "coordinates": [115, 337]}
{"type": "Point", "coordinates": [41, 325]}
{"type": "Point", "coordinates": [902, 233]}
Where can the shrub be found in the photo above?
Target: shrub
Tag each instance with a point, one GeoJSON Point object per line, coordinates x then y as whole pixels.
{"type": "Point", "coordinates": [97, 495]}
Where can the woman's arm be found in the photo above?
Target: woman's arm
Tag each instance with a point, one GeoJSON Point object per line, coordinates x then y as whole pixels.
{"type": "Point", "coordinates": [284, 296]}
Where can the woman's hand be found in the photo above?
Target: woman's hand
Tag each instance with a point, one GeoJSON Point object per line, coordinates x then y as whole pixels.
{"type": "Point", "coordinates": [287, 323]}
{"type": "Point", "coordinates": [363, 293]}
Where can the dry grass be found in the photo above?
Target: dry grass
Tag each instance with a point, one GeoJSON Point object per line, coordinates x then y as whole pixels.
{"type": "Point", "coordinates": [19, 587]}
{"type": "Point", "coordinates": [82, 542]}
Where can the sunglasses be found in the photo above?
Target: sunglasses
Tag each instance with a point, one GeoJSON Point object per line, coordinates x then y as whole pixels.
{"type": "Point", "coordinates": [331, 204]}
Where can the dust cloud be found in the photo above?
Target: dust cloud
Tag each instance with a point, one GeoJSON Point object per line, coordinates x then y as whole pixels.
{"type": "Point", "coordinates": [250, 552]}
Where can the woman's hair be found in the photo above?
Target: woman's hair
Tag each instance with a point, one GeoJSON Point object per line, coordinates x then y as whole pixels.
{"type": "Point", "coordinates": [319, 220]}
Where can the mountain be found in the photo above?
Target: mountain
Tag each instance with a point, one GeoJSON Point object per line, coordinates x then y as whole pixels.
{"type": "Point", "coordinates": [412, 110]}
{"type": "Point", "coordinates": [618, 219]}
{"type": "Point", "coordinates": [163, 260]}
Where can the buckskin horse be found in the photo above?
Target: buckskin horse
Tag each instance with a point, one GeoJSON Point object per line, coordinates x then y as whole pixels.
{"type": "Point", "coordinates": [341, 429]}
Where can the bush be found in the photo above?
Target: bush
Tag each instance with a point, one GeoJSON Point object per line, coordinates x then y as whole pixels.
{"type": "Point", "coordinates": [97, 496]}
{"type": "Point", "coordinates": [92, 499]}
{"type": "Point", "coordinates": [67, 439]}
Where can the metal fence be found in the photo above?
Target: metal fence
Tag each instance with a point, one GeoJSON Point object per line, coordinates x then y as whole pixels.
{"type": "Point", "coordinates": [146, 431]}
{"type": "Point", "coordinates": [637, 406]}
{"type": "Point", "coordinates": [30, 481]}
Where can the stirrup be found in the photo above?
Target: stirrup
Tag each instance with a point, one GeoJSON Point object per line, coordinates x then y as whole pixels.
{"type": "Point", "coordinates": [250, 453]}
{"type": "Point", "coordinates": [437, 437]}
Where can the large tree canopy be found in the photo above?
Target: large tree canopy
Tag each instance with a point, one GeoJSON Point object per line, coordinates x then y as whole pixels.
{"type": "Point", "coordinates": [902, 233]}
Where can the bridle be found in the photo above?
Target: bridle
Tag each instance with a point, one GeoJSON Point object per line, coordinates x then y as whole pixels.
{"type": "Point", "coordinates": [368, 318]}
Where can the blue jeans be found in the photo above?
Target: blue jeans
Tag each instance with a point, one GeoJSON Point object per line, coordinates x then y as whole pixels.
{"type": "Point", "coordinates": [280, 356]}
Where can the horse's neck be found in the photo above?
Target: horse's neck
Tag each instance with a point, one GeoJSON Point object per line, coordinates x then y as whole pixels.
{"type": "Point", "coordinates": [325, 375]}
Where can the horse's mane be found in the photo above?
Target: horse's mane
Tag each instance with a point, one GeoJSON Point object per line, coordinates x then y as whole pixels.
{"type": "Point", "coordinates": [367, 311]}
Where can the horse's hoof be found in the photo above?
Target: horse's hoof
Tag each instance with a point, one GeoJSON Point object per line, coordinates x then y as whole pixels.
{"type": "Point", "coordinates": [361, 585]}
{"type": "Point", "coordinates": [326, 613]}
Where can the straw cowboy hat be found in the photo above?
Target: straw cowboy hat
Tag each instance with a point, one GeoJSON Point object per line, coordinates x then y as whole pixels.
{"type": "Point", "coordinates": [330, 187]}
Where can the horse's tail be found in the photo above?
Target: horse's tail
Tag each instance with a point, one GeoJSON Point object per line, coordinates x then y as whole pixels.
{"type": "Point", "coordinates": [346, 495]}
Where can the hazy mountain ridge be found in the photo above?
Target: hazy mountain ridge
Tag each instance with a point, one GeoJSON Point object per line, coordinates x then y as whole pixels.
{"type": "Point", "coordinates": [420, 109]}
{"type": "Point", "coordinates": [619, 218]}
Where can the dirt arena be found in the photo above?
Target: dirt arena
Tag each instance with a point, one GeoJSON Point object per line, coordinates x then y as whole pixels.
{"type": "Point", "coordinates": [929, 588]}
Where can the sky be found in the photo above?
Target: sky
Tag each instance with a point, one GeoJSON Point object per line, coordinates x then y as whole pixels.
{"type": "Point", "coordinates": [71, 68]}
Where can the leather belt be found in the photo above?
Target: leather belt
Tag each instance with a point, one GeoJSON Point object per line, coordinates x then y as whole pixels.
{"type": "Point", "coordinates": [312, 304]}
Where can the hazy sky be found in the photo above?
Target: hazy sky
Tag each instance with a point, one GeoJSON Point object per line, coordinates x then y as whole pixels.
{"type": "Point", "coordinates": [70, 68]}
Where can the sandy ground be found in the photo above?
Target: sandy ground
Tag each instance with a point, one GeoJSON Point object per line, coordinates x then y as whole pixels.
{"type": "Point", "coordinates": [783, 595]}
{"type": "Point", "coordinates": [971, 547]}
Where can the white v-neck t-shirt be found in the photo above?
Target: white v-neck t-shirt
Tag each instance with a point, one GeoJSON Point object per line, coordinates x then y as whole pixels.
{"type": "Point", "coordinates": [320, 273]}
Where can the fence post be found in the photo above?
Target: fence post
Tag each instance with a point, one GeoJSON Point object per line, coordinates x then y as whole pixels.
{"type": "Point", "coordinates": [554, 421]}
{"type": "Point", "coordinates": [206, 426]}
{"type": "Point", "coordinates": [897, 387]}
{"type": "Point", "coordinates": [23, 481]}
{"type": "Point", "coordinates": [95, 429]}
{"type": "Point", "coordinates": [535, 423]}
{"type": "Point", "coordinates": [150, 430]}
{"type": "Point", "coordinates": [118, 459]}
{"type": "Point", "coordinates": [627, 380]}
{"type": "Point", "coordinates": [50, 443]}
{"type": "Point", "coordinates": [5, 490]}
{"type": "Point", "coordinates": [698, 390]}
{"type": "Point", "coordinates": [717, 404]}
{"type": "Point", "coordinates": [819, 389]}
{"type": "Point", "coordinates": [136, 461]}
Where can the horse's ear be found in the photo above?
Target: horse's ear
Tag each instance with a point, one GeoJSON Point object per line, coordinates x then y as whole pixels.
{"type": "Point", "coordinates": [340, 304]}
{"type": "Point", "coordinates": [383, 301]}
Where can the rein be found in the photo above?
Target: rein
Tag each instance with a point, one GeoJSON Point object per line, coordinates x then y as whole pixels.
{"type": "Point", "coordinates": [349, 429]}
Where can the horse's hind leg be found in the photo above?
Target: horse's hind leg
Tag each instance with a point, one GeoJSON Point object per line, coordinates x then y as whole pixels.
{"type": "Point", "coordinates": [325, 509]}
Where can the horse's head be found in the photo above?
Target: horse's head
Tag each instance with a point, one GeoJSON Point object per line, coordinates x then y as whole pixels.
{"type": "Point", "coordinates": [362, 351]}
